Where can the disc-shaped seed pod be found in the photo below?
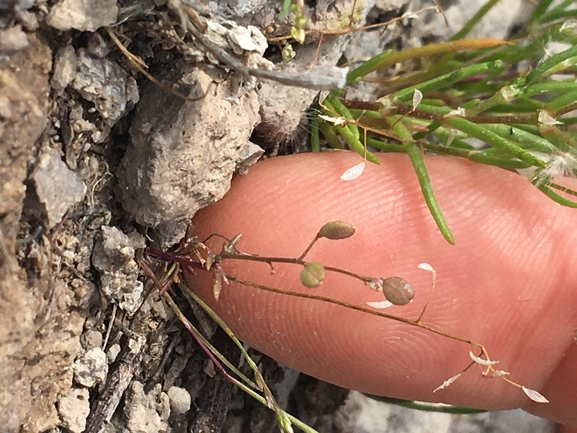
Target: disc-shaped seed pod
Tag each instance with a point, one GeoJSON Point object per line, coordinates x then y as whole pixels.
{"type": "Point", "coordinates": [312, 275]}
{"type": "Point", "coordinates": [336, 230]}
{"type": "Point", "coordinates": [398, 291]}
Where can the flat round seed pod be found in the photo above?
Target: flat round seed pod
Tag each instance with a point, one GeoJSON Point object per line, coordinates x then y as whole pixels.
{"type": "Point", "coordinates": [336, 230]}
{"type": "Point", "coordinates": [398, 291]}
{"type": "Point", "coordinates": [312, 275]}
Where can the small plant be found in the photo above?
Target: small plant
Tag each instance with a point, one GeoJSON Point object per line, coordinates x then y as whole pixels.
{"type": "Point", "coordinates": [194, 256]}
{"type": "Point", "coordinates": [509, 104]}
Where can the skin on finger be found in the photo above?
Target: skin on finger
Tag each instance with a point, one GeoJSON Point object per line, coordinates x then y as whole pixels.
{"type": "Point", "coordinates": [509, 282]}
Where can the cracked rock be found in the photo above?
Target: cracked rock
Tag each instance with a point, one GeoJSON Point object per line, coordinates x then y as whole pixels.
{"type": "Point", "coordinates": [64, 68]}
{"type": "Point", "coordinates": [104, 83]}
{"type": "Point", "coordinates": [12, 40]}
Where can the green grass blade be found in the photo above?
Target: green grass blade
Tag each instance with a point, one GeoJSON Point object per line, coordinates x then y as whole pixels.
{"type": "Point", "coordinates": [538, 12]}
{"type": "Point", "coordinates": [418, 162]}
{"type": "Point", "coordinates": [550, 63]}
{"type": "Point", "coordinates": [489, 137]}
{"type": "Point", "coordinates": [556, 197]}
{"type": "Point", "coordinates": [479, 15]}
{"type": "Point", "coordinates": [367, 67]}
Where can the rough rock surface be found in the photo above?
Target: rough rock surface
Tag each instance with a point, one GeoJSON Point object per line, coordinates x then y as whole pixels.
{"type": "Point", "coordinates": [91, 368]}
{"type": "Point", "coordinates": [113, 257]}
{"type": "Point", "coordinates": [145, 413]}
{"type": "Point", "coordinates": [183, 155]}
{"type": "Point", "coordinates": [85, 15]}
{"type": "Point", "coordinates": [73, 409]}
{"type": "Point", "coordinates": [58, 188]}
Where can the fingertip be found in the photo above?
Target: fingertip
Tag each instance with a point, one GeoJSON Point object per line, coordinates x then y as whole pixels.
{"type": "Point", "coordinates": [512, 250]}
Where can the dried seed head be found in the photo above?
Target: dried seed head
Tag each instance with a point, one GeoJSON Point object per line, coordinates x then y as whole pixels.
{"type": "Point", "coordinates": [398, 291]}
{"type": "Point", "coordinates": [336, 230]}
{"type": "Point", "coordinates": [312, 275]}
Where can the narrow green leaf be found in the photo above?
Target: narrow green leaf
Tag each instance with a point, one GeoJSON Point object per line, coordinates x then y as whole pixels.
{"type": "Point", "coordinates": [489, 137]}
{"type": "Point", "coordinates": [367, 67]}
{"type": "Point", "coordinates": [284, 10]}
{"type": "Point", "coordinates": [423, 176]}
{"type": "Point", "coordinates": [556, 197]}
{"type": "Point", "coordinates": [315, 140]}
{"type": "Point", "coordinates": [350, 136]}
{"type": "Point", "coordinates": [447, 80]}
{"type": "Point", "coordinates": [539, 11]}
{"type": "Point", "coordinates": [479, 15]}
{"type": "Point", "coordinates": [338, 106]}
{"type": "Point", "coordinates": [551, 62]}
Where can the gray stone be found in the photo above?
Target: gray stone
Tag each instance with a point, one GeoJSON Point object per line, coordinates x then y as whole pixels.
{"type": "Point", "coordinates": [113, 257]}
{"type": "Point", "coordinates": [91, 368]}
{"type": "Point", "coordinates": [180, 399]}
{"type": "Point", "coordinates": [91, 339]}
{"type": "Point", "coordinates": [64, 71]}
{"type": "Point", "coordinates": [140, 411]}
{"type": "Point", "coordinates": [58, 188]}
{"type": "Point", "coordinates": [84, 15]}
{"type": "Point", "coordinates": [495, 24]}
{"type": "Point", "coordinates": [73, 409]}
{"type": "Point", "coordinates": [184, 153]}
{"type": "Point", "coordinates": [13, 39]}
{"type": "Point", "coordinates": [108, 86]}
{"type": "Point", "coordinates": [364, 415]}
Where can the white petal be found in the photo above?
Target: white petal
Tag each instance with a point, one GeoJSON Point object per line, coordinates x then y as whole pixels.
{"type": "Point", "coordinates": [569, 27]}
{"type": "Point", "coordinates": [447, 382]}
{"type": "Point", "coordinates": [381, 305]}
{"type": "Point", "coordinates": [534, 395]}
{"type": "Point", "coordinates": [500, 373]}
{"type": "Point", "coordinates": [546, 119]}
{"type": "Point", "coordinates": [481, 361]}
{"type": "Point", "coordinates": [417, 98]}
{"type": "Point", "coordinates": [426, 267]}
{"type": "Point", "coordinates": [353, 172]}
{"type": "Point", "coordinates": [451, 137]}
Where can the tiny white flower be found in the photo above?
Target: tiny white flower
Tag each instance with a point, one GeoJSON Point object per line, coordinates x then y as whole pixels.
{"type": "Point", "coordinates": [410, 15]}
{"type": "Point", "coordinates": [426, 267]}
{"type": "Point", "coordinates": [460, 112]}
